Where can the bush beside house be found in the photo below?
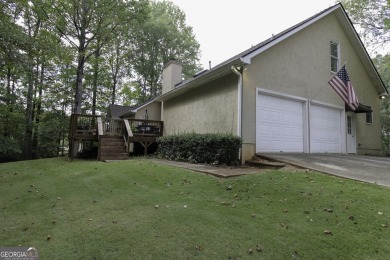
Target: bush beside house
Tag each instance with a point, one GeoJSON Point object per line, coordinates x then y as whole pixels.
{"type": "Point", "coordinates": [200, 148]}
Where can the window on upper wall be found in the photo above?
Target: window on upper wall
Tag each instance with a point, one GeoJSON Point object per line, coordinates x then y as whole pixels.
{"type": "Point", "coordinates": [369, 116]}
{"type": "Point", "coordinates": [334, 56]}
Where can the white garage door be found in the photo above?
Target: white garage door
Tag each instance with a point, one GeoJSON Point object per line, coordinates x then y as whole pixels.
{"type": "Point", "coordinates": [325, 130]}
{"type": "Point", "coordinates": [279, 124]}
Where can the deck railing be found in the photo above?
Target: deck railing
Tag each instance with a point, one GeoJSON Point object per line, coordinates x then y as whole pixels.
{"type": "Point", "coordinates": [142, 127]}
{"type": "Point", "coordinates": [91, 127]}
{"type": "Point", "coordinates": [82, 128]}
{"type": "Point", "coordinates": [83, 124]}
{"type": "Point", "coordinates": [96, 125]}
{"type": "Point", "coordinates": [113, 126]}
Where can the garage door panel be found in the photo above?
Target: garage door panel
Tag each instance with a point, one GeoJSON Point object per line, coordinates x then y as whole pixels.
{"type": "Point", "coordinates": [325, 130]}
{"type": "Point", "coordinates": [279, 125]}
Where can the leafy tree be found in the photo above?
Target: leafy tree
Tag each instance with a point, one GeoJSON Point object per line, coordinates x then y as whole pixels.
{"type": "Point", "coordinates": [12, 45]}
{"type": "Point", "coordinates": [116, 61]}
{"type": "Point", "coordinates": [83, 23]}
{"type": "Point", "coordinates": [373, 16]}
{"type": "Point", "coordinates": [28, 13]}
{"type": "Point", "coordinates": [130, 94]}
{"type": "Point", "coordinates": [54, 124]}
{"type": "Point", "coordinates": [11, 132]}
{"type": "Point", "coordinates": [63, 55]}
{"type": "Point", "coordinates": [164, 36]}
{"type": "Point", "coordinates": [383, 65]}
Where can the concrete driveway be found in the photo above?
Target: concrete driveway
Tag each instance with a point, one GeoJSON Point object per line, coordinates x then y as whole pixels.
{"type": "Point", "coordinates": [370, 169]}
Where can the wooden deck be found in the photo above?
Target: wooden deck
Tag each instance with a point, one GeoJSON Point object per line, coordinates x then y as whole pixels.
{"type": "Point", "coordinates": [95, 128]}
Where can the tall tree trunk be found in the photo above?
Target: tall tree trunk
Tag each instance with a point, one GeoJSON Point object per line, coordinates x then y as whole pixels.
{"type": "Point", "coordinates": [12, 102]}
{"type": "Point", "coordinates": [95, 76]}
{"type": "Point", "coordinates": [33, 30]}
{"type": "Point", "coordinates": [27, 151]}
{"type": "Point", "coordinates": [115, 71]}
{"type": "Point", "coordinates": [82, 14]}
{"type": "Point", "coordinates": [8, 97]}
{"type": "Point", "coordinates": [38, 112]}
{"type": "Point", "coordinates": [63, 132]}
{"type": "Point", "coordinates": [79, 82]}
{"type": "Point", "coordinates": [113, 96]}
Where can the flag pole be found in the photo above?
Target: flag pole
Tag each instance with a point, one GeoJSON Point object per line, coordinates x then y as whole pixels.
{"type": "Point", "coordinates": [345, 63]}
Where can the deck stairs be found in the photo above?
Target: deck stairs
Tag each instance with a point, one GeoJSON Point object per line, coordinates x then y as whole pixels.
{"type": "Point", "coordinates": [116, 136]}
{"type": "Point", "coordinates": [112, 148]}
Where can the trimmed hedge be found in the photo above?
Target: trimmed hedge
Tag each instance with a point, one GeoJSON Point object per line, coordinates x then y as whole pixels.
{"type": "Point", "coordinates": [200, 148]}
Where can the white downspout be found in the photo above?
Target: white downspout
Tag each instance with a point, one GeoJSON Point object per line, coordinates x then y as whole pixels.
{"type": "Point", "coordinates": [239, 106]}
{"type": "Point", "coordinates": [162, 117]}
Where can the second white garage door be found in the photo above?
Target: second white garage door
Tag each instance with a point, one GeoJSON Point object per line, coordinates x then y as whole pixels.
{"type": "Point", "coordinates": [325, 130]}
{"type": "Point", "coordinates": [279, 124]}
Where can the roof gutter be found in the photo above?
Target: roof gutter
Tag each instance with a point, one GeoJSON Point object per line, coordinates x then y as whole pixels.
{"type": "Point", "coordinates": [200, 80]}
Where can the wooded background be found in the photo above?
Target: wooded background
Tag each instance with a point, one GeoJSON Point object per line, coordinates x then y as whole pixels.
{"type": "Point", "coordinates": [64, 56]}
{"type": "Point", "coordinates": [59, 57]}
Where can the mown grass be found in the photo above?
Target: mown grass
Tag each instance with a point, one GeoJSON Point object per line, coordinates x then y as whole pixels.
{"type": "Point", "coordinates": [137, 209]}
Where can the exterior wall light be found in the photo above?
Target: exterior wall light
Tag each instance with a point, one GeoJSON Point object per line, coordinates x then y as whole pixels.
{"type": "Point", "coordinates": [384, 95]}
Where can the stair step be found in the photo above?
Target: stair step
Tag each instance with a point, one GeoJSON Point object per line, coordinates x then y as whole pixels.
{"type": "Point", "coordinates": [103, 151]}
{"type": "Point", "coordinates": [113, 158]}
{"type": "Point", "coordinates": [112, 141]}
{"type": "Point", "coordinates": [112, 148]}
{"type": "Point", "coordinates": [259, 162]}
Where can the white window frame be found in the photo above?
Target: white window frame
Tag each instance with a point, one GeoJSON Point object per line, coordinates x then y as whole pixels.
{"type": "Point", "coordinates": [349, 125]}
{"type": "Point", "coordinates": [331, 42]}
{"type": "Point", "coordinates": [371, 117]}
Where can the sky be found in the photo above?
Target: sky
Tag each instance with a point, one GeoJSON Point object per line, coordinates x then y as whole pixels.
{"type": "Point", "coordinates": [225, 28]}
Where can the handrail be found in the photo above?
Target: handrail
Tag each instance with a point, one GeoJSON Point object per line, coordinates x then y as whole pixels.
{"type": "Point", "coordinates": [128, 128]}
{"type": "Point", "coordinates": [100, 126]}
{"type": "Point", "coordinates": [127, 134]}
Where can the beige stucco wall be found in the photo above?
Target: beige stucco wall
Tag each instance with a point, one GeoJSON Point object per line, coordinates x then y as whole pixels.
{"type": "Point", "coordinates": [154, 111]}
{"type": "Point", "coordinates": [211, 108]}
{"type": "Point", "coordinates": [300, 66]}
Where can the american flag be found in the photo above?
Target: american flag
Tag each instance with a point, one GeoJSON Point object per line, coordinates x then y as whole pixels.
{"type": "Point", "coordinates": [343, 87]}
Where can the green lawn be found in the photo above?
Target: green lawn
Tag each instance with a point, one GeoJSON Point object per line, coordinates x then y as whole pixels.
{"type": "Point", "coordinates": [137, 209]}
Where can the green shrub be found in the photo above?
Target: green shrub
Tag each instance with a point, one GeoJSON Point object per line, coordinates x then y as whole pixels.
{"type": "Point", "coordinates": [199, 148]}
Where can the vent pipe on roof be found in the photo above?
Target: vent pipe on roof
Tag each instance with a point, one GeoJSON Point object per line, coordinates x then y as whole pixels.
{"type": "Point", "coordinates": [171, 75]}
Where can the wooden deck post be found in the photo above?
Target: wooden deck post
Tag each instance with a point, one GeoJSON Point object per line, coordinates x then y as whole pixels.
{"type": "Point", "coordinates": [146, 145]}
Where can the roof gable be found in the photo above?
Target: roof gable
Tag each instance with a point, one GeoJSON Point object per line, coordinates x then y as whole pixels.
{"type": "Point", "coordinates": [275, 39]}
{"type": "Point", "coordinates": [349, 30]}
{"type": "Point", "coordinates": [246, 56]}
